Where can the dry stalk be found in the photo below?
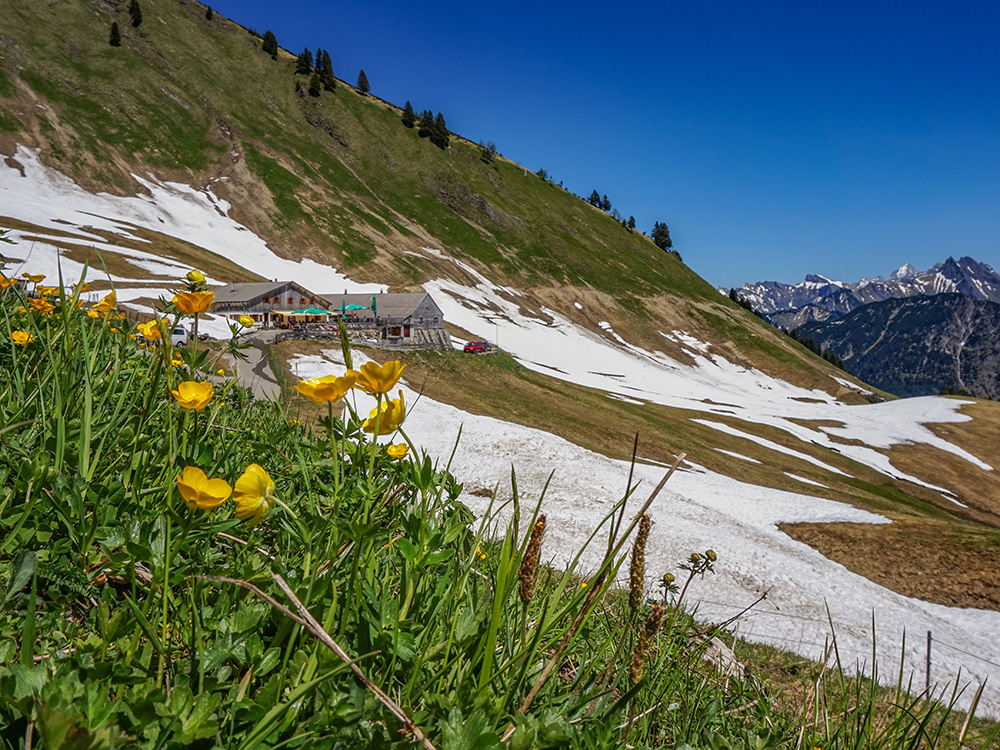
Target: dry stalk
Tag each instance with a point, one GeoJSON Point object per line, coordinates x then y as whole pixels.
{"type": "Point", "coordinates": [588, 603]}
{"type": "Point", "coordinates": [306, 620]}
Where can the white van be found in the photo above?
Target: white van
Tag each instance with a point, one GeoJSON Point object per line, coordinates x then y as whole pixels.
{"type": "Point", "coordinates": [178, 336]}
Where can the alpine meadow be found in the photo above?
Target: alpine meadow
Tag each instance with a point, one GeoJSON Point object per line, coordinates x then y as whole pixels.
{"type": "Point", "coordinates": [630, 514]}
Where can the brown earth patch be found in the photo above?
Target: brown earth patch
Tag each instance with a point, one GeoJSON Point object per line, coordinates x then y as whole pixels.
{"type": "Point", "coordinates": [957, 565]}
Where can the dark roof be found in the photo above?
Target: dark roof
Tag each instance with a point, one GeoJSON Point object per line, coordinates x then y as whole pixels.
{"type": "Point", "coordinates": [236, 293]}
{"type": "Point", "coordinates": [387, 304]}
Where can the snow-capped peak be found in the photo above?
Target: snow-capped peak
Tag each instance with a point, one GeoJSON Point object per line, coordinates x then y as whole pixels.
{"type": "Point", "coordinates": [905, 271]}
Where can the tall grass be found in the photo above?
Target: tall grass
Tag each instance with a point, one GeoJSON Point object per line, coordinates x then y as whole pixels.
{"type": "Point", "coordinates": [355, 603]}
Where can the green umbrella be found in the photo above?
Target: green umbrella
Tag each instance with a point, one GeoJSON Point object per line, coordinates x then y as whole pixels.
{"type": "Point", "coordinates": [310, 311]}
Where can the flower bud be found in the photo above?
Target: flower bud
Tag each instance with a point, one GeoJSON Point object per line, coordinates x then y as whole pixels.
{"type": "Point", "coordinates": [195, 277]}
{"type": "Point", "coordinates": [246, 321]}
{"type": "Point", "coordinates": [710, 554]}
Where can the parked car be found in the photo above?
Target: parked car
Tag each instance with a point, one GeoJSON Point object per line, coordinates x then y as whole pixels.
{"type": "Point", "coordinates": [178, 336]}
{"type": "Point", "coordinates": [478, 347]}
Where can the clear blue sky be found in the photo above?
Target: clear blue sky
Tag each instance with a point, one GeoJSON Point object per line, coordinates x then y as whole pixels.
{"type": "Point", "coordinates": [774, 138]}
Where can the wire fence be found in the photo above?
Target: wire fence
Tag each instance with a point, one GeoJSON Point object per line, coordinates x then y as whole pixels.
{"type": "Point", "coordinates": [823, 635]}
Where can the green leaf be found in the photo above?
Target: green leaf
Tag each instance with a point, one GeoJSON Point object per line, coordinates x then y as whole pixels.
{"type": "Point", "coordinates": [25, 565]}
{"type": "Point", "coordinates": [468, 733]}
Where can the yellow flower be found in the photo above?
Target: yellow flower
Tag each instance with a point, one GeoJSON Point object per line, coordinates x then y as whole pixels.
{"type": "Point", "coordinates": [220, 372]}
{"type": "Point", "coordinates": [328, 389]}
{"type": "Point", "coordinates": [479, 553]}
{"type": "Point", "coordinates": [375, 378]}
{"type": "Point", "coordinates": [246, 321]}
{"type": "Point", "coordinates": [5, 282]}
{"type": "Point", "coordinates": [93, 314]}
{"type": "Point", "coordinates": [41, 305]}
{"type": "Point", "coordinates": [21, 338]}
{"type": "Point", "coordinates": [150, 330]}
{"type": "Point", "coordinates": [195, 276]}
{"type": "Point", "coordinates": [397, 451]}
{"type": "Point", "coordinates": [193, 303]}
{"type": "Point", "coordinates": [47, 291]}
{"type": "Point", "coordinates": [177, 362]}
{"type": "Point", "coordinates": [22, 309]}
{"type": "Point", "coordinates": [199, 491]}
{"type": "Point", "coordinates": [393, 414]}
{"type": "Point", "coordinates": [254, 495]}
{"type": "Point", "coordinates": [82, 286]}
{"type": "Point", "coordinates": [106, 305]}
{"type": "Point", "coordinates": [34, 278]}
{"type": "Point", "coordinates": [192, 394]}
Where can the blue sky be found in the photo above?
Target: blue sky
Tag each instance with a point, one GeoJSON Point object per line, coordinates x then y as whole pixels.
{"type": "Point", "coordinates": [774, 138]}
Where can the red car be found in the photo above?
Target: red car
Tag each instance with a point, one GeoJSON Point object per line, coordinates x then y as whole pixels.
{"type": "Point", "coordinates": [477, 347]}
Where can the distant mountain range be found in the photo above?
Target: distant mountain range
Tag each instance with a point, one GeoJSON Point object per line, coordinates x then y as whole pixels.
{"type": "Point", "coordinates": [918, 346]}
{"type": "Point", "coordinates": [915, 333]}
{"type": "Point", "coordinates": [818, 298]}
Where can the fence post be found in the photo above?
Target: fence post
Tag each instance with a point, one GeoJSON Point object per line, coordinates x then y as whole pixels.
{"type": "Point", "coordinates": [927, 675]}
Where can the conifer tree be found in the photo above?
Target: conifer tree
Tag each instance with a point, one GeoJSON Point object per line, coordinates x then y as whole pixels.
{"type": "Point", "coordinates": [116, 37]}
{"type": "Point", "coordinates": [594, 199]}
{"type": "Point", "coordinates": [135, 12]}
{"type": "Point", "coordinates": [409, 117]}
{"type": "Point", "coordinates": [325, 69]}
{"type": "Point", "coordinates": [209, 14]}
{"type": "Point", "coordinates": [439, 132]}
{"type": "Point", "coordinates": [363, 86]}
{"type": "Point", "coordinates": [661, 236]}
{"type": "Point", "coordinates": [314, 85]}
{"type": "Point", "coordinates": [426, 124]}
{"type": "Point", "coordinates": [304, 62]}
{"type": "Point", "coordinates": [631, 223]}
{"type": "Point", "coordinates": [270, 44]}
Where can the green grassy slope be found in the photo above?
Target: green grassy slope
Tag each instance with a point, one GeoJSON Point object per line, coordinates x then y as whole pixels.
{"type": "Point", "coordinates": [337, 178]}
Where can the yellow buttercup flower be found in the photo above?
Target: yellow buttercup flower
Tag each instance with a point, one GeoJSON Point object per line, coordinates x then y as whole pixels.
{"type": "Point", "coordinates": [246, 321]}
{"type": "Point", "coordinates": [93, 314]}
{"type": "Point", "coordinates": [177, 362]}
{"type": "Point", "coordinates": [41, 305]}
{"type": "Point", "coordinates": [192, 394]}
{"type": "Point", "coordinates": [195, 276]}
{"type": "Point", "coordinates": [375, 379]}
{"type": "Point", "coordinates": [107, 304]}
{"type": "Point", "coordinates": [328, 389]}
{"type": "Point", "coordinates": [21, 338]}
{"type": "Point", "coordinates": [220, 372]}
{"type": "Point", "coordinates": [150, 330]}
{"type": "Point", "coordinates": [199, 491]}
{"type": "Point", "coordinates": [34, 278]}
{"type": "Point", "coordinates": [393, 412]}
{"type": "Point", "coordinates": [397, 451]}
{"type": "Point", "coordinates": [47, 291]}
{"type": "Point", "coordinates": [82, 286]}
{"type": "Point", "coordinates": [5, 282]}
{"type": "Point", "coordinates": [193, 303]}
{"type": "Point", "coordinates": [254, 495]}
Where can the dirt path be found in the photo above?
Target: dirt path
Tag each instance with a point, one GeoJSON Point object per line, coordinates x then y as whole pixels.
{"type": "Point", "coordinates": [256, 372]}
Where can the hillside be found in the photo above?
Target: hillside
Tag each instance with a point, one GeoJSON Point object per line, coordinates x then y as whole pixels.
{"type": "Point", "coordinates": [188, 146]}
{"type": "Point", "coordinates": [918, 346]}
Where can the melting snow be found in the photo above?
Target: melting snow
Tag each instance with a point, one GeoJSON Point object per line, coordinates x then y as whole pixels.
{"type": "Point", "coordinates": [699, 509]}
